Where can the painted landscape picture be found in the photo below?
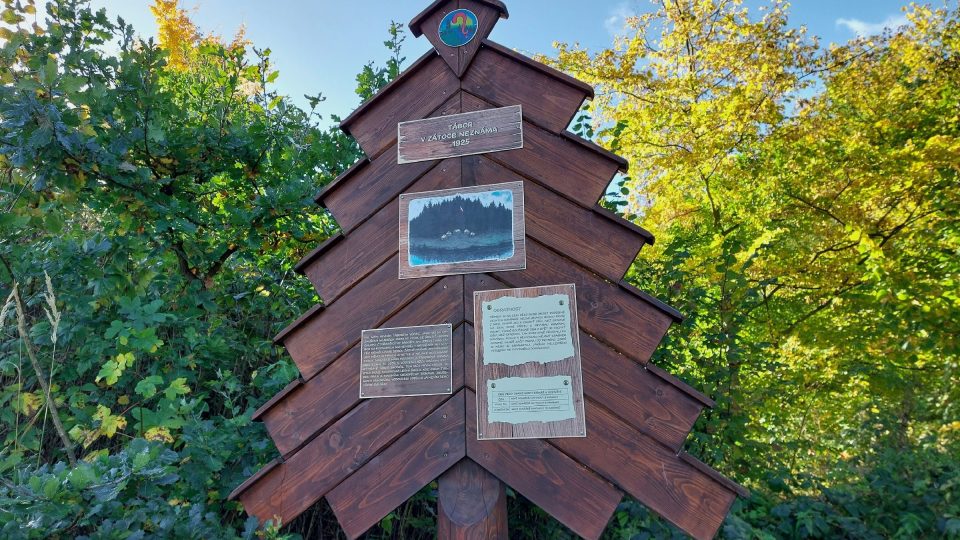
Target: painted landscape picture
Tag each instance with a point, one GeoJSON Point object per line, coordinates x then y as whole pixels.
{"type": "Point", "coordinates": [461, 228]}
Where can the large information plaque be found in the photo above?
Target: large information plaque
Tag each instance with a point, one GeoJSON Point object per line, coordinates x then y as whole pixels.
{"type": "Point", "coordinates": [462, 231]}
{"type": "Point", "coordinates": [529, 381]}
{"type": "Point", "coordinates": [411, 361]}
{"type": "Point", "coordinates": [467, 134]}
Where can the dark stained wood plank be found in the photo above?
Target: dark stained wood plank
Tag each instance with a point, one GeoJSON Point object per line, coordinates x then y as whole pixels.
{"type": "Point", "coordinates": [503, 77]}
{"type": "Point", "coordinates": [650, 472]}
{"type": "Point", "coordinates": [316, 341]}
{"type": "Point", "coordinates": [469, 356]}
{"type": "Point", "coordinates": [419, 90]}
{"type": "Point", "coordinates": [680, 385]}
{"type": "Point", "coordinates": [431, 25]}
{"type": "Point", "coordinates": [396, 474]}
{"type": "Point", "coordinates": [574, 495]}
{"type": "Point", "coordinates": [662, 306]}
{"type": "Point", "coordinates": [280, 396]}
{"type": "Point", "coordinates": [336, 269]}
{"type": "Point", "coordinates": [360, 192]}
{"type": "Point", "coordinates": [314, 254]}
{"type": "Point", "coordinates": [613, 216]}
{"type": "Point", "coordinates": [294, 485]}
{"type": "Point", "coordinates": [645, 401]}
{"type": "Point", "coordinates": [648, 399]}
{"type": "Point", "coordinates": [487, 15]}
{"type": "Point", "coordinates": [373, 187]}
{"type": "Point", "coordinates": [463, 134]}
{"type": "Point", "coordinates": [314, 404]}
{"type": "Point", "coordinates": [472, 504]}
{"type": "Point", "coordinates": [592, 239]}
{"type": "Point", "coordinates": [239, 491]}
{"type": "Point", "coordinates": [704, 468]}
{"type": "Point", "coordinates": [631, 325]}
{"type": "Point", "coordinates": [580, 173]}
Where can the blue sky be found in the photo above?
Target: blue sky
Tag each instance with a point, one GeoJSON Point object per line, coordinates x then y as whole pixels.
{"type": "Point", "coordinates": [320, 45]}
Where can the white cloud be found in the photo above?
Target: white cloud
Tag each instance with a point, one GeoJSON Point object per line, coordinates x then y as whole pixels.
{"type": "Point", "coordinates": [617, 18]}
{"type": "Point", "coordinates": [863, 28]}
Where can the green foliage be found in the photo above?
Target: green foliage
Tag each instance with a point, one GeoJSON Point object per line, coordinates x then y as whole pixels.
{"type": "Point", "coordinates": [804, 200]}
{"type": "Point", "coordinates": [805, 206]}
{"type": "Point", "coordinates": [123, 495]}
{"type": "Point", "coordinates": [168, 204]}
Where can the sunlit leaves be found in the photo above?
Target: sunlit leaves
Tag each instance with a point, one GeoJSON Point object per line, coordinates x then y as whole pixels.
{"type": "Point", "coordinates": [109, 423]}
{"type": "Point", "coordinates": [806, 210]}
{"type": "Point", "coordinates": [147, 387]}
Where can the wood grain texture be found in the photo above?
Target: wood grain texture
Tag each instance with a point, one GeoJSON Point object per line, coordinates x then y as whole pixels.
{"type": "Point", "coordinates": [549, 98]}
{"type": "Point", "coordinates": [312, 406]}
{"type": "Point", "coordinates": [418, 91]}
{"type": "Point", "coordinates": [632, 326]}
{"type": "Point", "coordinates": [662, 407]}
{"type": "Point", "coordinates": [486, 131]}
{"type": "Point", "coordinates": [469, 352]}
{"type": "Point", "coordinates": [472, 504]}
{"type": "Point", "coordinates": [431, 25]}
{"type": "Point", "coordinates": [487, 16]}
{"type": "Point", "coordinates": [570, 367]}
{"type": "Point", "coordinates": [585, 235]}
{"type": "Point", "coordinates": [396, 474]}
{"type": "Point", "coordinates": [516, 262]}
{"type": "Point", "coordinates": [306, 476]}
{"type": "Point", "coordinates": [375, 186]}
{"type": "Point", "coordinates": [368, 246]}
{"type": "Point", "coordinates": [357, 195]}
{"type": "Point", "coordinates": [645, 401]}
{"type": "Point", "coordinates": [574, 495]}
{"type": "Point", "coordinates": [650, 472]}
{"type": "Point", "coordinates": [316, 341]}
{"type": "Point", "coordinates": [581, 174]}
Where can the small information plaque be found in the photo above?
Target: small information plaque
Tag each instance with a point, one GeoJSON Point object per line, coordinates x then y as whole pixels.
{"type": "Point", "coordinates": [410, 361]}
{"type": "Point", "coordinates": [529, 380]}
{"type": "Point", "coordinates": [466, 134]}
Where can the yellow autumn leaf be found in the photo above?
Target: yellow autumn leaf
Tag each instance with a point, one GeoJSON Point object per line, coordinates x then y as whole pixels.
{"type": "Point", "coordinates": [28, 403]}
{"type": "Point", "coordinates": [160, 434]}
{"type": "Point", "coordinates": [109, 424]}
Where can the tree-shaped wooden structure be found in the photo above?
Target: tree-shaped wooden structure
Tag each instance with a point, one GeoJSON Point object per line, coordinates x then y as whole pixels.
{"type": "Point", "coordinates": [368, 456]}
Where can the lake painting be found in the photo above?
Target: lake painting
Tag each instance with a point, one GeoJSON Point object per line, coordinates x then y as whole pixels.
{"type": "Point", "coordinates": [460, 228]}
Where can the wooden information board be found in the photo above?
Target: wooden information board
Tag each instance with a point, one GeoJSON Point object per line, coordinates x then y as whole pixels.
{"type": "Point", "coordinates": [480, 132]}
{"type": "Point", "coordinates": [529, 383]}
{"type": "Point", "coordinates": [367, 456]}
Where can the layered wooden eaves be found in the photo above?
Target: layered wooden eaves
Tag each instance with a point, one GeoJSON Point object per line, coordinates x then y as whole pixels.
{"type": "Point", "coordinates": [367, 457]}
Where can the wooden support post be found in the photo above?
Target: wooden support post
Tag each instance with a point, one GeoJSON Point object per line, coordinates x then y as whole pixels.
{"type": "Point", "coordinates": [473, 504]}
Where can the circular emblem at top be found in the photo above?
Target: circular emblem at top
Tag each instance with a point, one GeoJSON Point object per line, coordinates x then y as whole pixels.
{"type": "Point", "coordinates": [458, 28]}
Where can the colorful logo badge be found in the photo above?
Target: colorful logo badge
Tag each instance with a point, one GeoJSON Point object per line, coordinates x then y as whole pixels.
{"type": "Point", "coordinates": [458, 28]}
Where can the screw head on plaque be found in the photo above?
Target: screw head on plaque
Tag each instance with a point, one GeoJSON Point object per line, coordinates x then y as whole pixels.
{"type": "Point", "coordinates": [458, 28]}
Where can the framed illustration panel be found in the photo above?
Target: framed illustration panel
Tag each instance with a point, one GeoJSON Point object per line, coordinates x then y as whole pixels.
{"type": "Point", "coordinates": [529, 379]}
{"type": "Point", "coordinates": [462, 231]}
